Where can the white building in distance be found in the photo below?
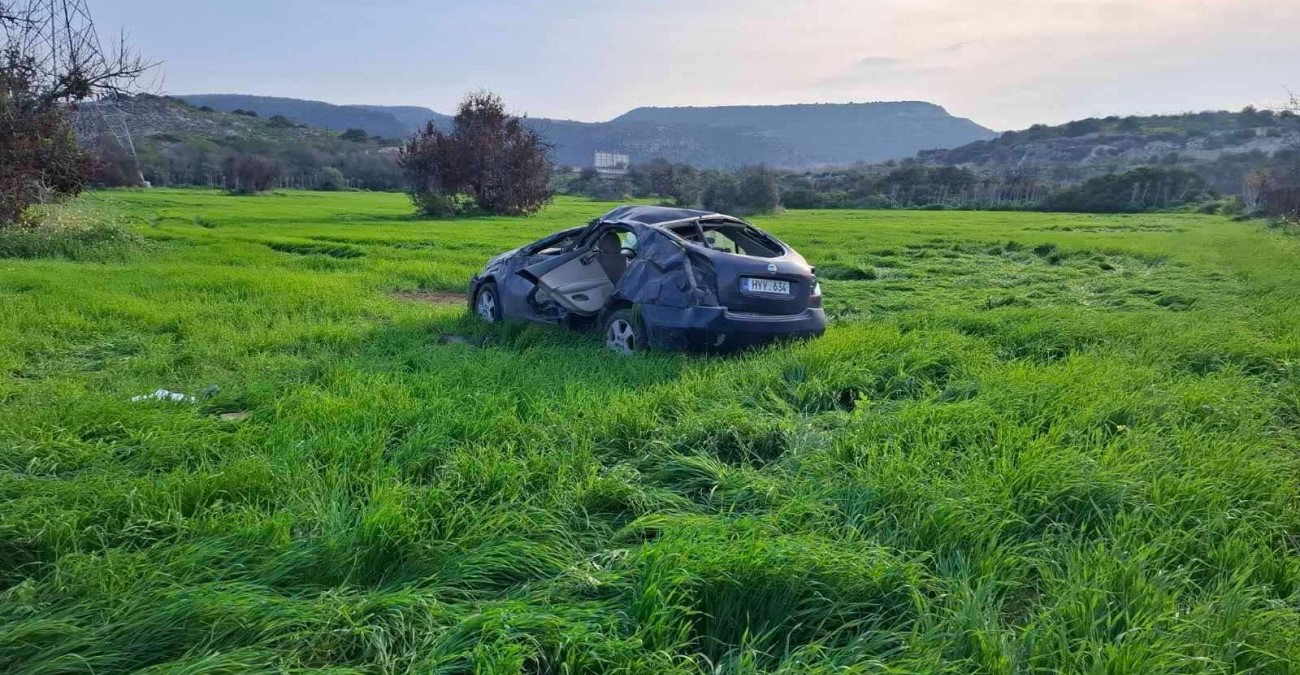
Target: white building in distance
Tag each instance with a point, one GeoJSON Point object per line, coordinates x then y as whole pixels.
{"type": "Point", "coordinates": [611, 165]}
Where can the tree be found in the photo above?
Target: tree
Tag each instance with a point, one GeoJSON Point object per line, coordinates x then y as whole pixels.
{"type": "Point", "coordinates": [48, 65]}
{"type": "Point", "coordinates": [250, 174]}
{"type": "Point", "coordinates": [331, 180]}
{"type": "Point", "coordinates": [679, 183]}
{"type": "Point", "coordinates": [760, 192]}
{"type": "Point", "coordinates": [1132, 191]}
{"type": "Point", "coordinates": [39, 157]}
{"type": "Point", "coordinates": [489, 163]}
{"type": "Point", "coordinates": [355, 135]}
{"type": "Point", "coordinates": [721, 191]}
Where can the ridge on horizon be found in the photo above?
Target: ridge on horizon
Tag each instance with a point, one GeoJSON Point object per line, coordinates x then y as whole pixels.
{"type": "Point", "coordinates": [784, 135]}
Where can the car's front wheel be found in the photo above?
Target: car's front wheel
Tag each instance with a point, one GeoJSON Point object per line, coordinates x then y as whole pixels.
{"type": "Point", "coordinates": [624, 334]}
{"type": "Point", "coordinates": [487, 303]}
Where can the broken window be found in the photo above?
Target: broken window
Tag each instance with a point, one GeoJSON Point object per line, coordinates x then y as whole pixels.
{"type": "Point", "coordinates": [732, 238]}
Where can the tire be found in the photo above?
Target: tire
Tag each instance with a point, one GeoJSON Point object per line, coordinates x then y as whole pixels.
{"type": "Point", "coordinates": [487, 303]}
{"type": "Point", "coordinates": [623, 333]}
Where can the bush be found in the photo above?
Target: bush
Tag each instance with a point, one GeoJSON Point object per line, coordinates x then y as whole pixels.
{"type": "Point", "coordinates": [759, 190]}
{"type": "Point", "coordinates": [39, 157]}
{"type": "Point", "coordinates": [721, 192]}
{"type": "Point", "coordinates": [489, 163]}
{"type": "Point", "coordinates": [1282, 203]}
{"type": "Point", "coordinates": [1132, 191]}
{"type": "Point", "coordinates": [331, 180]}
{"type": "Point", "coordinates": [802, 198]}
{"type": "Point", "coordinates": [354, 135]}
{"type": "Point", "coordinates": [608, 190]}
{"type": "Point", "coordinates": [68, 231]}
{"type": "Point", "coordinates": [251, 173]}
{"type": "Point", "coordinates": [679, 183]}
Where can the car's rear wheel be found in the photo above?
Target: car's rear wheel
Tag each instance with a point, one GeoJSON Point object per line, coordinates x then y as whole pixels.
{"type": "Point", "coordinates": [624, 334]}
{"type": "Point", "coordinates": [487, 303]}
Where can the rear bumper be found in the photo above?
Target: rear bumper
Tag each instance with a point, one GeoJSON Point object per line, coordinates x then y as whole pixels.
{"type": "Point", "coordinates": [718, 329]}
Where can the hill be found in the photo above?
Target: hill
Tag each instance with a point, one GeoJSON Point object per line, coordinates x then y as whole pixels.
{"type": "Point", "coordinates": [790, 136]}
{"type": "Point", "coordinates": [1222, 146]}
{"type": "Point", "coordinates": [180, 144]}
{"type": "Point", "coordinates": [834, 133]}
{"type": "Point", "coordinates": [376, 121]}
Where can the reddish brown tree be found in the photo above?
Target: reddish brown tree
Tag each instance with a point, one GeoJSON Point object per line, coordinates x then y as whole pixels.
{"type": "Point", "coordinates": [250, 174]}
{"type": "Point", "coordinates": [490, 162]}
{"type": "Point", "coordinates": [48, 65]}
{"type": "Point", "coordinates": [39, 157]}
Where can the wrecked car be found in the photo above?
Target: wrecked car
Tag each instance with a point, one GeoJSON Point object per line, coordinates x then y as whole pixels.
{"type": "Point", "coordinates": [651, 277]}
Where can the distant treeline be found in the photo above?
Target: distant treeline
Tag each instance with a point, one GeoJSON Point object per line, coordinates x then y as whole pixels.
{"type": "Point", "coordinates": [299, 165]}
{"type": "Point", "coordinates": [280, 153]}
{"type": "Point", "coordinates": [300, 158]}
{"type": "Point", "coordinates": [909, 185]}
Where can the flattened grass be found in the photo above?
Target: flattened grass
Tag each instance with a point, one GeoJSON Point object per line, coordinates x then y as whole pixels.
{"type": "Point", "coordinates": [1029, 443]}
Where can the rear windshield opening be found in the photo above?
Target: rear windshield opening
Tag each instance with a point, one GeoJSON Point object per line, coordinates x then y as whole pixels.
{"type": "Point", "coordinates": [729, 238]}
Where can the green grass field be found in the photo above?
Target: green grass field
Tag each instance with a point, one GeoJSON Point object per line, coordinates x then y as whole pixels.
{"type": "Point", "coordinates": [1027, 443]}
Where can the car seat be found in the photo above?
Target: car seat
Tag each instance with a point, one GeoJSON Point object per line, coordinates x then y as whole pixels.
{"type": "Point", "coordinates": [611, 256]}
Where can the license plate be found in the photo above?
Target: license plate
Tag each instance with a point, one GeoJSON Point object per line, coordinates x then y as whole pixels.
{"type": "Point", "coordinates": [770, 286]}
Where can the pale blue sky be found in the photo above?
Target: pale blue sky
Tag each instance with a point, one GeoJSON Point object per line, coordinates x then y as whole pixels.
{"type": "Point", "coordinates": [1004, 63]}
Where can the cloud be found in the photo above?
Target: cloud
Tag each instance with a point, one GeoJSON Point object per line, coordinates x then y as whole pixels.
{"type": "Point", "coordinates": [879, 62]}
{"type": "Point", "coordinates": [873, 70]}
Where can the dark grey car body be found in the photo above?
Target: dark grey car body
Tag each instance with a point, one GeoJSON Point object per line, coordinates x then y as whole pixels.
{"type": "Point", "coordinates": [696, 279]}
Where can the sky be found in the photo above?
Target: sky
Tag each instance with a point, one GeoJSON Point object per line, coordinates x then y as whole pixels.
{"type": "Point", "coordinates": [1006, 64]}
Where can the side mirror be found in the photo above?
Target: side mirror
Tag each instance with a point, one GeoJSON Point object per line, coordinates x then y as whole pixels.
{"type": "Point", "coordinates": [629, 253]}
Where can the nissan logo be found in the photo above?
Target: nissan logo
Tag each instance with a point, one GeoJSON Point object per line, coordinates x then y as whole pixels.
{"type": "Point", "coordinates": [771, 269]}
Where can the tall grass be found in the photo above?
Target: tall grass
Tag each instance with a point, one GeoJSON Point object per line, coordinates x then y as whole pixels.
{"type": "Point", "coordinates": [72, 231]}
{"type": "Point", "coordinates": [1014, 451]}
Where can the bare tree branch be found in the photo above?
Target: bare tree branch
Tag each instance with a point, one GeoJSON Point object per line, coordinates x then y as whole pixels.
{"type": "Point", "coordinates": [70, 63]}
{"type": "Point", "coordinates": [51, 59]}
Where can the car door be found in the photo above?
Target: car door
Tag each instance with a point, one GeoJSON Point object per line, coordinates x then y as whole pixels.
{"type": "Point", "coordinates": [574, 280]}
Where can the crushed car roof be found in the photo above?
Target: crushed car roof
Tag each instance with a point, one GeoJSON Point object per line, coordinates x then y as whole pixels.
{"type": "Point", "coordinates": [656, 215]}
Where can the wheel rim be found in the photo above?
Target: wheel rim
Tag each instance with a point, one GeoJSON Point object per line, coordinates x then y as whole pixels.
{"type": "Point", "coordinates": [620, 337]}
{"type": "Point", "coordinates": [487, 306]}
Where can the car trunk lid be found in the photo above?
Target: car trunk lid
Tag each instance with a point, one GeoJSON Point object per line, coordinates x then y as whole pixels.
{"type": "Point", "coordinates": [755, 285]}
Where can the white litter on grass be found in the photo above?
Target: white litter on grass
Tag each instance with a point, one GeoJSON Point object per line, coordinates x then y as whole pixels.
{"type": "Point", "coordinates": [164, 395]}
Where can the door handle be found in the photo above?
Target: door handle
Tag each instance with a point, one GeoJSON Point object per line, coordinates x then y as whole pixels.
{"type": "Point", "coordinates": [586, 259]}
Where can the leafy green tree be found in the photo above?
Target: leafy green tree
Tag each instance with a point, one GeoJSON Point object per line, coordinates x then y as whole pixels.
{"type": "Point", "coordinates": [721, 191]}
{"type": "Point", "coordinates": [679, 183]}
{"type": "Point", "coordinates": [759, 190]}
{"type": "Point", "coordinates": [331, 180]}
{"type": "Point", "coordinates": [1131, 191]}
